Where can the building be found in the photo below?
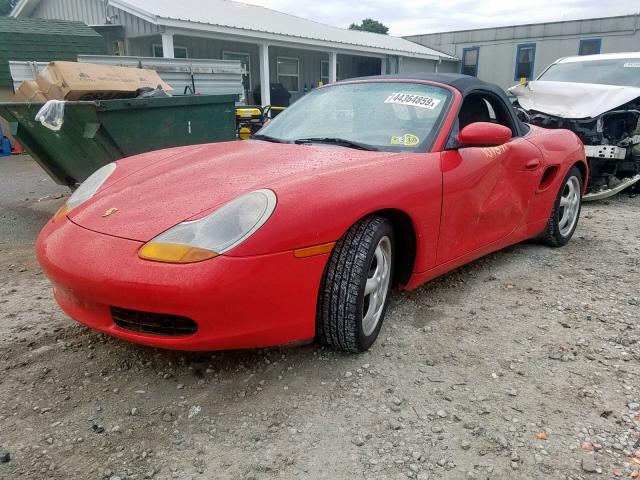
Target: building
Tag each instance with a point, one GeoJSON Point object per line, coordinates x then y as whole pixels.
{"type": "Point", "coordinates": [504, 55]}
{"type": "Point", "coordinates": [42, 40]}
{"type": "Point", "coordinates": [274, 47]}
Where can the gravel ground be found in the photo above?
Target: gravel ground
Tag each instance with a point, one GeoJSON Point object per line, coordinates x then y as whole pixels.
{"type": "Point", "coordinates": [522, 365]}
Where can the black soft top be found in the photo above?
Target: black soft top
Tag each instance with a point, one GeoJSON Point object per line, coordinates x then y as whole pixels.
{"type": "Point", "coordinates": [465, 84]}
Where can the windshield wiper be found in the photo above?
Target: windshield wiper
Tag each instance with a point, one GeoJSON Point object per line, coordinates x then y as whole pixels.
{"type": "Point", "coordinates": [268, 138]}
{"type": "Point", "coordinates": [336, 141]}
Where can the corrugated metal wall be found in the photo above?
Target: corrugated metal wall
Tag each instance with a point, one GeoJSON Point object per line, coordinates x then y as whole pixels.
{"type": "Point", "coordinates": [87, 11]}
{"type": "Point", "coordinates": [92, 12]}
{"type": "Point", "coordinates": [309, 60]}
{"type": "Point", "coordinates": [498, 46]}
{"type": "Point", "coordinates": [140, 36]}
{"type": "Point", "coordinates": [198, 47]}
{"type": "Point", "coordinates": [211, 77]}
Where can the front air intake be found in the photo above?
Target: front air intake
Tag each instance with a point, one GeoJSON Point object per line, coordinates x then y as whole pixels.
{"type": "Point", "coordinates": [153, 323]}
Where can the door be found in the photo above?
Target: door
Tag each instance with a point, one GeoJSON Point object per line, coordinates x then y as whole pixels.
{"type": "Point", "coordinates": [245, 61]}
{"type": "Point", "coordinates": [486, 190]}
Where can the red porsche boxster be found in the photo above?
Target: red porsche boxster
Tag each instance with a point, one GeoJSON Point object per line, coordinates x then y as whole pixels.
{"type": "Point", "coordinates": [300, 232]}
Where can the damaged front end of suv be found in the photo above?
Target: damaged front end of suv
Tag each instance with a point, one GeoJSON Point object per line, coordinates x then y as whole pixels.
{"type": "Point", "coordinates": [598, 98]}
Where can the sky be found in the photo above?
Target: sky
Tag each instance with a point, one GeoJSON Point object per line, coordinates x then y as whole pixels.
{"type": "Point", "coordinates": [411, 17]}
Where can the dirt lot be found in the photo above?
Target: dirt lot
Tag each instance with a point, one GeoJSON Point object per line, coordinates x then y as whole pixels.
{"type": "Point", "coordinates": [525, 364]}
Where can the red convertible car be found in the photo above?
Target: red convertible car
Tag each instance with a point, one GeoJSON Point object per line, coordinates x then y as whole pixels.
{"type": "Point", "coordinates": [300, 232]}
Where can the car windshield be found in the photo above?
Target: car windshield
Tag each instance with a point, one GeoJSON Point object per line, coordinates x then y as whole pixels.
{"type": "Point", "coordinates": [386, 116]}
{"type": "Point", "coordinates": [619, 71]}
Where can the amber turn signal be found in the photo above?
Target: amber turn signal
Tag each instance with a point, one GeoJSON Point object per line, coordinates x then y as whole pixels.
{"type": "Point", "coordinates": [62, 212]}
{"type": "Point", "coordinates": [314, 250]}
{"type": "Point", "coordinates": [174, 253]}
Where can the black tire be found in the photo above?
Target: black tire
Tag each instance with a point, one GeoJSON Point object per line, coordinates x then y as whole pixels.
{"type": "Point", "coordinates": [552, 235]}
{"type": "Point", "coordinates": [341, 299]}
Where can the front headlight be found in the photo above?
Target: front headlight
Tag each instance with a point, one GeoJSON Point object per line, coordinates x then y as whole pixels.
{"type": "Point", "coordinates": [87, 189]}
{"type": "Point", "coordinates": [217, 233]}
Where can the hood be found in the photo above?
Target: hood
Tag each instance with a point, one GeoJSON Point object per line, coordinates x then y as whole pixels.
{"type": "Point", "coordinates": [168, 191]}
{"type": "Point", "coordinates": [572, 100]}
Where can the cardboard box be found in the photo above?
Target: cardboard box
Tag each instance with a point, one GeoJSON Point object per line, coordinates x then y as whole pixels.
{"type": "Point", "coordinates": [29, 91]}
{"type": "Point", "coordinates": [87, 81]}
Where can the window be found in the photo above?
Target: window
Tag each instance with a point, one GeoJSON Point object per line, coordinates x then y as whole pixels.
{"type": "Point", "coordinates": [390, 116]}
{"type": "Point", "coordinates": [480, 107]}
{"type": "Point", "coordinates": [591, 69]}
{"type": "Point", "coordinates": [118, 48]}
{"type": "Point", "coordinates": [470, 61]}
{"type": "Point", "coordinates": [590, 46]}
{"type": "Point", "coordinates": [245, 61]}
{"type": "Point", "coordinates": [525, 60]}
{"type": "Point", "coordinates": [324, 71]}
{"type": "Point", "coordinates": [288, 69]}
{"type": "Point", "coordinates": [178, 52]}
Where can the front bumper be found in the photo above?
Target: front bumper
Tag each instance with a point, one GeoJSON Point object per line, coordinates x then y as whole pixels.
{"type": "Point", "coordinates": [237, 302]}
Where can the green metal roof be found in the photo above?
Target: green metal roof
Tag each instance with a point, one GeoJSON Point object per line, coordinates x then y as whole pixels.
{"type": "Point", "coordinates": [35, 39]}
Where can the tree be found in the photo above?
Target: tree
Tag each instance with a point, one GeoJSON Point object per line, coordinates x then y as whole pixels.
{"type": "Point", "coordinates": [370, 25]}
{"type": "Point", "coordinates": [6, 6]}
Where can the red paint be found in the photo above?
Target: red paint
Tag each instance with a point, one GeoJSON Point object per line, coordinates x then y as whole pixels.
{"type": "Point", "coordinates": [484, 134]}
{"type": "Point", "coordinates": [233, 301]}
{"type": "Point", "coordinates": [462, 203]}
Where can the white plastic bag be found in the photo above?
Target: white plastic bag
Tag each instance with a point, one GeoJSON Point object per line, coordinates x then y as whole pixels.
{"type": "Point", "coordinates": [51, 115]}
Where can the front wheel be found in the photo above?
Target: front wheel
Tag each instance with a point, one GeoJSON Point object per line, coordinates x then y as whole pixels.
{"type": "Point", "coordinates": [355, 286]}
{"type": "Point", "coordinates": [566, 210]}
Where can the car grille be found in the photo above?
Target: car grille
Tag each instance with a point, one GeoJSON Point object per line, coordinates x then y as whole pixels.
{"type": "Point", "coordinates": [153, 323]}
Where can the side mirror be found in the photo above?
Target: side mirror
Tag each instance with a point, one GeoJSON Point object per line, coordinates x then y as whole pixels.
{"type": "Point", "coordinates": [484, 134]}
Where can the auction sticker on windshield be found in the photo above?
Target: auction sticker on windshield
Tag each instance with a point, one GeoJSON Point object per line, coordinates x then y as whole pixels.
{"type": "Point", "coordinates": [420, 101]}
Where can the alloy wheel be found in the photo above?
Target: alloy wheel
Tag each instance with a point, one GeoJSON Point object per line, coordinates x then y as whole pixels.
{"type": "Point", "coordinates": [569, 206]}
{"type": "Point", "coordinates": [377, 286]}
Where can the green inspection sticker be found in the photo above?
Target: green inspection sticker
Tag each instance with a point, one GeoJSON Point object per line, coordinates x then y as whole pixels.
{"type": "Point", "coordinates": [408, 140]}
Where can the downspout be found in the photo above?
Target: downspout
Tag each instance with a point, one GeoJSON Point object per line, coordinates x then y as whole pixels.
{"type": "Point", "coordinates": [439, 62]}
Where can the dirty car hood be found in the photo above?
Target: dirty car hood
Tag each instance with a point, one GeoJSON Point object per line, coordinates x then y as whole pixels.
{"type": "Point", "coordinates": [189, 184]}
{"type": "Point", "coordinates": [572, 100]}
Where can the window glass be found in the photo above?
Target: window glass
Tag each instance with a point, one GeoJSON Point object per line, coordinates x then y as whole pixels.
{"type": "Point", "coordinates": [525, 58]}
{"type": "Point", "coordinates": [590, 46]}
{"type": "Point", "coordinates": [492, 113]}
{"type": "Point", "coordinates": [288, 73]}
{"type": "Point", "coordinates": [393, 116]}
{"type": "Point", "coordinates": [479, 108]}
{"type": "Point", "coordinates": [613, 71]}
{"type": "Point", "coordinates": [178, 52]}
{"type": "Point", "coordinates": [470, 61]}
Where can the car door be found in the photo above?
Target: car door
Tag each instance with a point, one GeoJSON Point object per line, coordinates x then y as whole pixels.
{"type": "Point", "coordinates": [486, 190]}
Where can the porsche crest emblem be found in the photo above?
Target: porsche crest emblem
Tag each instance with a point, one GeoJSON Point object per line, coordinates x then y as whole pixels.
{"type": "Point", "coordinates": [109, 212]}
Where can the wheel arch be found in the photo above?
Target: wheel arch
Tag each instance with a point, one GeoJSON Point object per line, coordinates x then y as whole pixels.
{"type": "Point", "coordinates": [584, 171]}
{"type": "Point", "coordinates": [406, 244]}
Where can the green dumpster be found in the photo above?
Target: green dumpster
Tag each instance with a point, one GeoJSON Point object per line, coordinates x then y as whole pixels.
{"type": "Point", "coordinates": [95, 133]}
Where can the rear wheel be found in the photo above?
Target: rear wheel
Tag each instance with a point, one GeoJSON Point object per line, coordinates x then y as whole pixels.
{"type": "Point", "coordinates": [566, 210]}
{"type": "Point", "coordinates": [355, 286]}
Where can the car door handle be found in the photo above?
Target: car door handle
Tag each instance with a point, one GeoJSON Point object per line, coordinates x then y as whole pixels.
{"type": "Point", "coordinates": [532, 164]}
